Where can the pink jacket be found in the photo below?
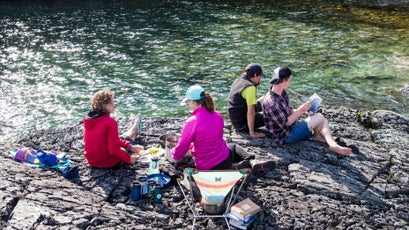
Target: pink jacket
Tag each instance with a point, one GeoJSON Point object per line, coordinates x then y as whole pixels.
{"type": "Point", "coordinates": [202, 134]}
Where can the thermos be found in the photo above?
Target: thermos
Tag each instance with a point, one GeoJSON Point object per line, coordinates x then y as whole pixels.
{"type": "Point", "coordinates": [135, 191]}
{"type": "Point", "coordinates": [157, 193]}
{"type": "Point", "coordinates": [154, 166]}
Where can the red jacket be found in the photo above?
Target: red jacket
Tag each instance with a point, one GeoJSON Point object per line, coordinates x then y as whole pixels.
{"type": "Point", "coordinates": [102, 145]}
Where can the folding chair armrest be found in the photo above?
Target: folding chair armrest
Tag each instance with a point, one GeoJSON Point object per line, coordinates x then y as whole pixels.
{"type": "Point", "coordinates": [245, 171]}
{"type": "Point", "coordinates": [180, 179]}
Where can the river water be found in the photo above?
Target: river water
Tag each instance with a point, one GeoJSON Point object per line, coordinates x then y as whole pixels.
{"type": "Point", "coordinates": [55, 54]}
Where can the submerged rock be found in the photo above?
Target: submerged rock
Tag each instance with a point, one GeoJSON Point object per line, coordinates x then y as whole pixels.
{"type": "Point", "coordinates": [310, 188]}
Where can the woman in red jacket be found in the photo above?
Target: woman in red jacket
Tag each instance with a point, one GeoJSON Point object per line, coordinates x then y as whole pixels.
{"type": "Point", "coordinates": [103, 148]}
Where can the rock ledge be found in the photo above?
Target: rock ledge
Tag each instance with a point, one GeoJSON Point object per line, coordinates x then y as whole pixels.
{"type": "Point", "coordinates": [311, 188]}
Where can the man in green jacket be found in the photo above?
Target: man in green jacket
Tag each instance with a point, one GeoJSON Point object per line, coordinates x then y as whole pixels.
{"type": "Point", "coordinates": [244, 110]}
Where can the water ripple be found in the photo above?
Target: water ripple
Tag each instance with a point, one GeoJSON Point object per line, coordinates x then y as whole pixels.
{"type": "Point", "coordinates": [54, 57]}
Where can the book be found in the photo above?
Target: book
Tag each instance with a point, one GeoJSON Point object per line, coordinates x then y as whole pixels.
{"type": "Point", "coordinates": [248, 219]}
{"type": "Point", "coordinates": [244, 208]}
{"type": "Point", "coordinates": [240, 226]}
{"type": "Point", "coordinates": [316, 103]}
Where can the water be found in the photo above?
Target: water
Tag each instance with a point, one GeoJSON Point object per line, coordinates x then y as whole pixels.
{"type": "Point", "coordinates": [55, 54]}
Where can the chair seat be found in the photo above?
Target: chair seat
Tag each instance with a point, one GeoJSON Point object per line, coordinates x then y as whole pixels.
{"type": "Point", "coordinates": [212, 200]}
{"type": "Point", "coordinates": [218, 189]}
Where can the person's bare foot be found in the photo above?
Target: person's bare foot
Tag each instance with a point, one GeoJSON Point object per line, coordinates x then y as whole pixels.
{"type": "Point", "coordinates": [258, 134]}
{"type": "Point", "coordinates": [134, 130]}
{"type": "Point", "coordinates": [344, 151]}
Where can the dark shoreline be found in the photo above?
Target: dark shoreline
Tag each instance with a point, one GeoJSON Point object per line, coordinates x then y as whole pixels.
{"type": "Point", "coordinates": [310, 188]}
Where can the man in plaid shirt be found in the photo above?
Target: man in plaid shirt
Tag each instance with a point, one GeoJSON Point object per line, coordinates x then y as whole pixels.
{"type": "Point", "coordinates": [282, 121]}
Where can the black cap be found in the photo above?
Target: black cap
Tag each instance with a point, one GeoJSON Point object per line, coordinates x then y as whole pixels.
{"type": "Point", "coordinates": [254, 68]}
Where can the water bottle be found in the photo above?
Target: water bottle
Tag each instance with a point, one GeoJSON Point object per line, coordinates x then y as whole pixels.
{"type": "Point", "coordinates": [157, 193]}
{"type": "Point", "coordinates": [144, 185]}
{"type": "Point", "coordinates": [154, 165]}
{"type": "Point", "coordinates": [136, 191]}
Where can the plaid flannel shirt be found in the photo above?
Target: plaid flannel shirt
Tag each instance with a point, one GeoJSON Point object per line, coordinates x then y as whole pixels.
{"type": "Point", "coordinates": [276, 110]}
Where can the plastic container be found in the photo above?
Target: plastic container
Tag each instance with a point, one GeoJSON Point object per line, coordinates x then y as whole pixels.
{"type": "Point", "coordinates": [160, 178]}
{"type": "Point", "coordinates": [144, 185]}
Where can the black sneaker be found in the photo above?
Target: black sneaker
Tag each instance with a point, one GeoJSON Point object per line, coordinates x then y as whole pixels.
{"type": "Point", "coordinates": [242, 165]}
{"type": "Point", "coordinates": [262, 167]}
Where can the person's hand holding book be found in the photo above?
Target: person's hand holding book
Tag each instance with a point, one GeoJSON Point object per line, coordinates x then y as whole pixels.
{"type": "Point", "coordinates": [315, 103]}
{"type": "Point", "coordinates": [304, 108]}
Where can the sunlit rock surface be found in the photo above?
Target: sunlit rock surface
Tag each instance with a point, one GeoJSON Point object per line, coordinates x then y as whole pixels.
{"type": "Point", "coordinates": [310, 188]}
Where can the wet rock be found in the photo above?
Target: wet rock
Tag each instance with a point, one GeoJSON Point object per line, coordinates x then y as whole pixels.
{"type": "Point", "coordinates": [405, 90]}
{"type": "Point", "coordinates": [310, 187]}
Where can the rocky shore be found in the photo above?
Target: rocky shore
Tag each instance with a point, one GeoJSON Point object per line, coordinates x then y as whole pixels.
{"type": "Point", "coordinates": [310, 187]}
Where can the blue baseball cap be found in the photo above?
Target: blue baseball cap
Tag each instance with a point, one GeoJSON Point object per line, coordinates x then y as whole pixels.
{"type": "Point", "coordinates": [195, 93]}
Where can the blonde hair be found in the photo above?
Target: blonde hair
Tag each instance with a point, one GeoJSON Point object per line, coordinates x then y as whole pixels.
{"type": "Point", "coordinates": [102, 98]}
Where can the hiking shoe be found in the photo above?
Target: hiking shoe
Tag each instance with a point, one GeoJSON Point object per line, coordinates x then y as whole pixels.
{"type": "Point", "coordinates": [262, 167]}
{"type": "Point", "coordinates": [242, 165]}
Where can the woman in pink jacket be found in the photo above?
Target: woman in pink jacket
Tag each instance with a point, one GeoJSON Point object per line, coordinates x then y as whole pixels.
{"type": "Point", "coordinates": [103, 148]}
{"type": "Point", "coordinates": [202, 134]}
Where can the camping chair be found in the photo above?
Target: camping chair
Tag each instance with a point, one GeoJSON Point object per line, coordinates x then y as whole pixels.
{"type": "Point", "coordinates": [218, 189]}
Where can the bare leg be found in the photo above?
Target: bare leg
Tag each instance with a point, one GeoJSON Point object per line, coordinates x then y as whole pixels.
{"type": "Point", "coordinates": [134, 130]}
{"type": "Point", "coordinates": [322, 131]}
{"type": "Point", "coordinates": [314, 123]}
{"type": "Point", "coordinates": [318, 137]}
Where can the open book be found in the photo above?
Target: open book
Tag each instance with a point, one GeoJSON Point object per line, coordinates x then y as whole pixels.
{"type": "Point", "coordinates": [316, 103]}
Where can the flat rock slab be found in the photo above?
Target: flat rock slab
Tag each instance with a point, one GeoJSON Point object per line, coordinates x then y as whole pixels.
{"type": "Point", "coordinates": [310, 188]}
